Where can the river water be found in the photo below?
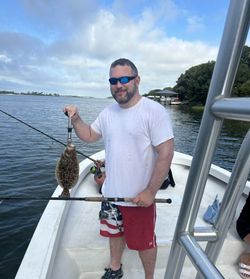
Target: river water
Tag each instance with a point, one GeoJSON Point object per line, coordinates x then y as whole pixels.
{"type": "Point", "coordinates": [28, 159]}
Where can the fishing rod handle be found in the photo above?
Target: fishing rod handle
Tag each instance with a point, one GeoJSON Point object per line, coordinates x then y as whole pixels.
{"type": "Point", "coordinates": [157, 200]}
{"type": "Point", "coordinates": [101, 199]}
{"type": "Point", "coordinates": [70, 127]}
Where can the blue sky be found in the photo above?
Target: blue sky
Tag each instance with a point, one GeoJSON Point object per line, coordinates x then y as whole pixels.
{"type": "Point", "coordinates": [66, 46]}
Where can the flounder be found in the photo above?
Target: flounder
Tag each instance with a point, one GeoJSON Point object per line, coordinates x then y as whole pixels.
{"type": "Point", "coordinates": [67, 169]}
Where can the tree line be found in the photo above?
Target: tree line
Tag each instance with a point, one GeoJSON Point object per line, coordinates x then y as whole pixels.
{"type": "Point", "coordinates": [193, 85]}
{"type": "Point", "coordinates": [33, 93]}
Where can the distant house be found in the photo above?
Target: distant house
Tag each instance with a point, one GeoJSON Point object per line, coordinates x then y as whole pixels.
{"type": "Point", "coordinates": [165, 96]}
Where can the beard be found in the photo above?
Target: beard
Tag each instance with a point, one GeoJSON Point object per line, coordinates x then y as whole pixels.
{"type": "Point", "coordinates": [123, 95]}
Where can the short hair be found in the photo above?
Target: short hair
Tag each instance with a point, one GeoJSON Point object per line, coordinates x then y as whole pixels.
{"type": "Point", "coordinates": [123, 62]}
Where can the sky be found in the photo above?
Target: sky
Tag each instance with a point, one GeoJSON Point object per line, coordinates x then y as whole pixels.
{"type": "Point", "coordinates": [66, 46]}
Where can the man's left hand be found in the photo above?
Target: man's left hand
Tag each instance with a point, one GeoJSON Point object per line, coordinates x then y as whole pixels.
{"type": "Point", "coordinates": [144, 199]}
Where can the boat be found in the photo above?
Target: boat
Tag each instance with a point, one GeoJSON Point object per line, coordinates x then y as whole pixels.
{"type": "Point", "coordinates": [66, 243]}
{"type": "Point", "coordinates": [175, 101]}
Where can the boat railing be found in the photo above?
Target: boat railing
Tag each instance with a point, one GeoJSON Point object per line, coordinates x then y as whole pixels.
{"type": "Point", "coordinates": [220, 105]}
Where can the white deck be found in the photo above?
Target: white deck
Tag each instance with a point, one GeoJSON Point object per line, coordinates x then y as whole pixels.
{"type": "Point", "coordinates": [67, 244]}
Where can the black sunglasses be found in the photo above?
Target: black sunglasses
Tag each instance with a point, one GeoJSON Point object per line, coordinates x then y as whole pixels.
{"type": "Point", "coordinates": [122, 80]}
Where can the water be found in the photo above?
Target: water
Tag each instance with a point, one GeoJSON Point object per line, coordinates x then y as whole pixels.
{"type": "Point", "coordinates": [28, 159]}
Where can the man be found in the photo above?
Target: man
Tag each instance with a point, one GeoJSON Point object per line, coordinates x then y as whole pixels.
{"type": "Point", "coordinates": [243, 229]}
{"type": "Point", "coordinates": [138, 142]}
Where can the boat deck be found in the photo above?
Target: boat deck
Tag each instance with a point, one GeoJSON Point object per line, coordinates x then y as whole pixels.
{"type": "Point", "coordinates": [87, 253]}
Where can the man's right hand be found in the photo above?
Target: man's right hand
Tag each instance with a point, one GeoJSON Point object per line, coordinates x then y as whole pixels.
{"type": "Point", "coordinates": [72, 112]}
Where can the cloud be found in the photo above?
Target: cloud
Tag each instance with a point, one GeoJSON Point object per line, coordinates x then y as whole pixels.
{"type": "Point", "coordinates": [5, 59]}
{"type": "Point", "coordinates": [70, 44]}
{"type": "Point", "coordinates": [61, 16]}
{"type": "Point", "coordinates": [195, 24]}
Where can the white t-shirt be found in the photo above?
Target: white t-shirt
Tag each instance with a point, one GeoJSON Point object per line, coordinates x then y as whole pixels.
{"type": "Point", "coordinates": [129, 137]}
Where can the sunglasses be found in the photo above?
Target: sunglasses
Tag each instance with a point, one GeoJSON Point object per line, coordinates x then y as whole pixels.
{"type": "Point", "coordinates": [122, 80]}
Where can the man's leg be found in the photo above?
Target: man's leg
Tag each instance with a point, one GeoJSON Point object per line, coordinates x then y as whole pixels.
{"type": "Point", "coordinates": [117, 245]}
{"type": "Point", "coordinates": [148, 258]}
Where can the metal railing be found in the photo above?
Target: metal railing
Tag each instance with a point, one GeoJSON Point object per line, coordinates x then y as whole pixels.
{"type": "Point", "coordinates": [219, 106]}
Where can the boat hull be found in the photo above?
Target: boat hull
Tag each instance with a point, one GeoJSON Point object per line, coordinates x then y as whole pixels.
{"type": "Point", "coordinates": [67, 244]}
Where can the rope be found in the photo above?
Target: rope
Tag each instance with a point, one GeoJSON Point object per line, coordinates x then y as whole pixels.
{"type": "Point", "coordinates": [56, 140]}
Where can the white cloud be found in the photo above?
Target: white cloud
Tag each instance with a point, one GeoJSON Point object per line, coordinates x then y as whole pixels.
{"type": "Point", "coordinates": [195, 24]}
{"type": "Point", "coordinates": [4, 58]}
{"type": "Point", "coordinates": [76, 59]}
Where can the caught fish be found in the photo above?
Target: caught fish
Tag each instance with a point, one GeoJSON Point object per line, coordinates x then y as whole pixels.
{"type": "Point", "coordinates": [67, 169]}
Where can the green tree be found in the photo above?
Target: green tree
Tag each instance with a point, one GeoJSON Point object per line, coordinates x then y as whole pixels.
{"type": "Point", "coordinates": [244, 89]}
{"type": "Point", "coordinates": [245, 57]}
{"type": "Point", "coordinates": [193, 85]}
{"type": "Point", "coordinates": [242, 80]}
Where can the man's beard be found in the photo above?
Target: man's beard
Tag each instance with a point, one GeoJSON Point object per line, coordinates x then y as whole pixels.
{"type": "Point", "coordinates": [126, 97]}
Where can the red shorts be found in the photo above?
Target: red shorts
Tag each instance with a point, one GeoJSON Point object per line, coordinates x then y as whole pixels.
{"type": "Point", "coordinates": [137, 225]}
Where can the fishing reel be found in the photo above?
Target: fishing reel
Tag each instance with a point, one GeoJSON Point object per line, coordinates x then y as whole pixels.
{"type": "Point", "coordinates": [97, 171]}
{"type": "Point", "coordinates": [99, 174]}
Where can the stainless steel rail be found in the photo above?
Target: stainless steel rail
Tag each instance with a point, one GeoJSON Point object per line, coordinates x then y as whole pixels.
{"type": "Point", "coordinates": [219, 106]}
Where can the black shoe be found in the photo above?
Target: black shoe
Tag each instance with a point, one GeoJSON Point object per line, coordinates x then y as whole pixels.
{"type": "Point", "coordinates": [111, 274]}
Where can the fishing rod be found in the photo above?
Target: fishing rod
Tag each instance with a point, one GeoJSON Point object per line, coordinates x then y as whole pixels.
{"type": "Point", "coordinates": [84, 155]}
{"type": "Point", "coordinates": [89, 199]}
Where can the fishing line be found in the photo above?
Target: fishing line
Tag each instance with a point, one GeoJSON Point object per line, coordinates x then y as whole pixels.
{"type": "Point", "coordinates": [86, 156]}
